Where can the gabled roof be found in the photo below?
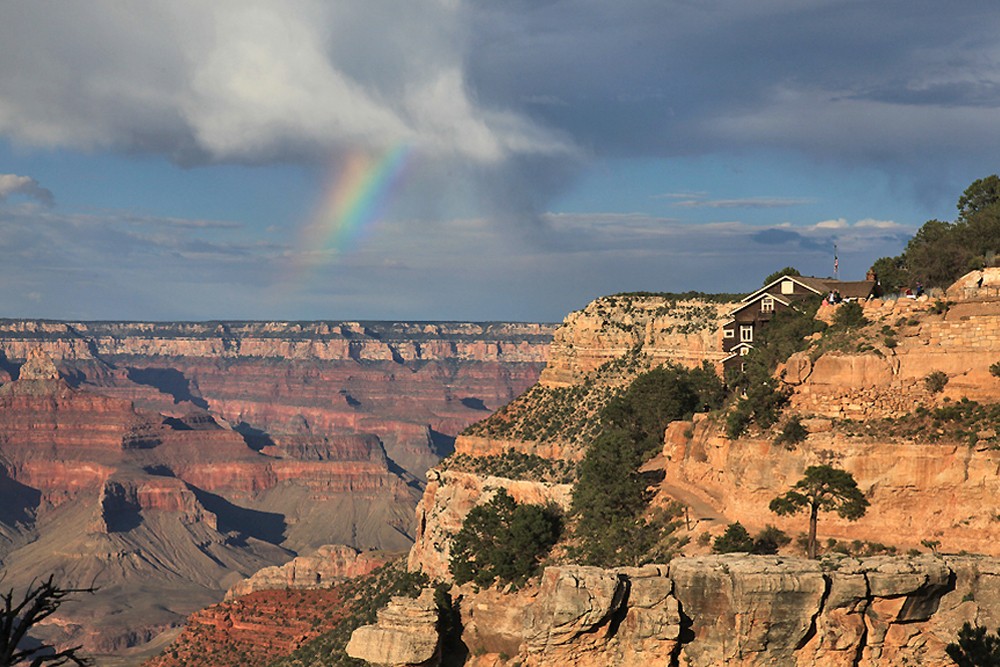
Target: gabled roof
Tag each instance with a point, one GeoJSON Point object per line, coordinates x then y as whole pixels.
{"type": "Point", "coordinates": [856, 289]}
{"type": "Point", "coordinates": [777, 297]}
{"type": "Point", "coordinates": [817, 285]}
{"type": "Point", "coordinates": [735, 351]}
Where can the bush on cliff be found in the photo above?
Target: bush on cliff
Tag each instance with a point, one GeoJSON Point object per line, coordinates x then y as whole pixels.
{"type": "Point", "coordinates": [658, 397]}
{"type": "Point", "coordinates": [611, 497]}
{"type": "Point", "coordinates": [736, 539]}
{"type": "Point", "coordinates": [503, 541]}
{"type": "Point", "coordinates": [975, 647]}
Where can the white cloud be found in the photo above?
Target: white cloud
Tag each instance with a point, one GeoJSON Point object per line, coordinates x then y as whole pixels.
{"type": "Point", "coordinates": [839, 223]}
{"type": "Point", "coordinates": [251, 81]}
{"type": "Point", "coordinates": [745, 202]}
{"type": "Point", "coordinates": [878, 224]}
{"type": "Point", "coordinates": [12, 184]}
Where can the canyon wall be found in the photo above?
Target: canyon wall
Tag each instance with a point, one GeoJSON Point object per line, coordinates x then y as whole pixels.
{"type": "Point", "coordinates": [737, 610]}
{"type": "Point", "coordinates": [164, 462]}
{"type": "Point", "coordinates": [413, 385]}
{"type": "Point", "coordinates": [682, 330]}
{"type": "Point", "coordinates": [938, 492]}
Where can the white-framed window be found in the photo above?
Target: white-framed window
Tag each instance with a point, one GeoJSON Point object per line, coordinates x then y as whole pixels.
{"type": "Point", "coordinates": [787, 287]}
{"type": "Point", "coordinates": [743, 367]}
{"type": "Point", "coordinates": [744, 351]}
{"type": "Point", "coordinates": [767, 304]}
{"type": "Point", "coordinates": [746, 333]}
{"type": "Point", "coordinates": [729, 333]}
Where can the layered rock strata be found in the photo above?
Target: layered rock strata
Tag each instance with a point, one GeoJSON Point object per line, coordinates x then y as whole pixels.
{"type": "Point", "coordinates": [413, 385]}
{"type": "Point", "coordinates": [927, 491]}
{"type": "Point", "coordinates": [330, 564]}
{"type": "Point", "coordinates": [732, 610]}
{"type": "Point", "coordinates": [683, 331]}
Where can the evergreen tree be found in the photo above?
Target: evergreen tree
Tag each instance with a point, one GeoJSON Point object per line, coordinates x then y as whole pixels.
{"type": "Point", "coordinates": [822, 488]}
{"type": "Point", "coordinates": [975, 647]}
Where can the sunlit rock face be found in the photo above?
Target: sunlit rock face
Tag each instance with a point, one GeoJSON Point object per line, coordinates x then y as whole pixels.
{"type": "Point", "coordinates": [725, 610]}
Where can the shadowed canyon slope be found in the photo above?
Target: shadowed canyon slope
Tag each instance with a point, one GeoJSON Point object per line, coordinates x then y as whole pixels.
{"type": "Point", "coordinates": [164, 462]}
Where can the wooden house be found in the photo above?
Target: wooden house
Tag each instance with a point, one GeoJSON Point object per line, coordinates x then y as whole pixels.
{"type": "Point", "coordinates": [755, 310]}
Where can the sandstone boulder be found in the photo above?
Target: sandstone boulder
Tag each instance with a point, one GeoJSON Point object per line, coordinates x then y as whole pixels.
{"type": "Point", "coordinates": [406, 634]}
{"type": "Point", "coordinates": [327, 565]}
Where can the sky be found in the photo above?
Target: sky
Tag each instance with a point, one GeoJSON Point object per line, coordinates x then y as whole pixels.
{"type": "Point", "coordinates": [461, 160]}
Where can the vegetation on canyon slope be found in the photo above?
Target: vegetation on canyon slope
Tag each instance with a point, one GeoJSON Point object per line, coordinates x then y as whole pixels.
{"type": "Point", "coordinates": [503, 541]}
{"type": "Point", "coordinates": [611, 497]}
{"type": "Point", "coordinates": [363, 597]}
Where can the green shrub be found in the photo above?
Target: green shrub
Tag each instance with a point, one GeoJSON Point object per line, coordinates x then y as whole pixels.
{"type": "Point", "coordinates": [935, 382]}
{"type": "Point", "coordinates": [850, 315]}
{"type": "Point", "coordinates": [975, 647]}
{"type": "Point", "coordinates": [503, 541]}
{"type": "Point", "coordinates": [610, 497]}
{"type": "Point", "coordinates": [792, 433]}
{"type": "Point", "coordinates": [995, 370]}
{"type": "Point", "coordinates": [736, 539]}
{"type": "Point", "coordinates": [769, 540]}
{"type": "Point", "coordinates": [761, 404]}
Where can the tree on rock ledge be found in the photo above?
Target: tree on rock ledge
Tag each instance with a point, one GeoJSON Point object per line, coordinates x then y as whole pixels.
{"type": "Point", "coordinates": [823, 488]}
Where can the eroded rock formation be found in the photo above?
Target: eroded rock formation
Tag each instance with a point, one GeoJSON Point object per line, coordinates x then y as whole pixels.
{"type": "Point", "coordinates": [326, 566]}
{"type": "Point", "coordinates": [684, 331]}
{"type": "Point", "coordinates": [406, 634]}
{"type": "Point", "coordinates": [732, 610]}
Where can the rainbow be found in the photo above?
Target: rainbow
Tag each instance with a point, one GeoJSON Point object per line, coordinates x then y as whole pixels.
{"type": "Point", "coordinates": [353, 201]}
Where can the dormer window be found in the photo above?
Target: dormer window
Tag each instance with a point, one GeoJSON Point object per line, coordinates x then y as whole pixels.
{"type": "Point", "coordinates": [787, 286]}
{"type": "Point", "coordinates": [767, 304]}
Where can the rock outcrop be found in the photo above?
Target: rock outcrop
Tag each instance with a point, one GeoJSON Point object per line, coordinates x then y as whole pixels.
{"type": "Point", "coordinates": [406, 634]}
{"type": "Point", "coordinates": [679, 330]}
{"type": "Point", "coordinates": [918, 491]}
{"type": "Point", "coordinates": [732, 610]}
{"type": "Point", "coordinates": [447, 500]}
{"type": "Point", "coordinates": [328, 565]}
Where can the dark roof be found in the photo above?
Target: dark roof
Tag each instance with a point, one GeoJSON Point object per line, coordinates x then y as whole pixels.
{"type": "Point", "coordinates": [857, 289]}
{"type": "Point", "coordinates": [760, 295]}
{"type": "Point", "coordinates": [819, 285]}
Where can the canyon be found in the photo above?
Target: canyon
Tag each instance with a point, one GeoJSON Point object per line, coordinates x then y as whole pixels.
{"type": "Point", "coordinates": [861, 397]}
{"type": "Point", "coordinates": [164, 462]}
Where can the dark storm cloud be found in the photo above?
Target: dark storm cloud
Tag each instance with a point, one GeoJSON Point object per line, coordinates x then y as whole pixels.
{"type": "Point", "coordinates": [676, 78]}
{"type": "Point", "coordinates": [488, 82]}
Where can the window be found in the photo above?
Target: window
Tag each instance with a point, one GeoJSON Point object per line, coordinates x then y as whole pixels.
{"type": "Point", "coordinates": [767, 304]}
{"type": "Point", "coordinates": [743, 367]}
{"type": "Point", "coordinates": [787, 287]}
{"type": "Point", "coordinates": [744, 351]}
{"type": "Point", "coordinates": [729, 333]}
{"type": "Point", "coordinates": [746, 333]}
